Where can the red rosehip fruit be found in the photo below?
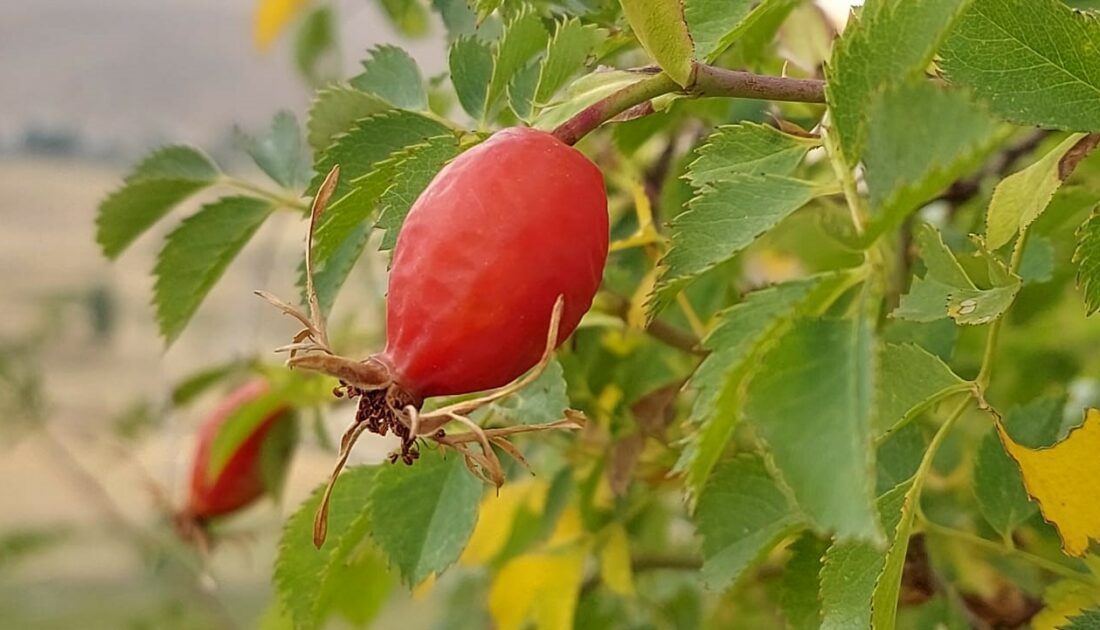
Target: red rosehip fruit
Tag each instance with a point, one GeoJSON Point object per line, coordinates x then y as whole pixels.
{"type": "Point", "coordinates": [485, 251]}
{"type": "Point", "coordinates": [240, 481]}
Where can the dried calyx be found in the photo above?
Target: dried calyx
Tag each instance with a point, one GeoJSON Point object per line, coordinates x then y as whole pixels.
{"type": "Point", "coordinates": [385, 407]}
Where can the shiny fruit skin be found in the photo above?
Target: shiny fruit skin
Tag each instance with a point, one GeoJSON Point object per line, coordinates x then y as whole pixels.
{"type": "Point", "coordinates": [241, 480]}
{"type": "Point", "coordinates": [485, 251]}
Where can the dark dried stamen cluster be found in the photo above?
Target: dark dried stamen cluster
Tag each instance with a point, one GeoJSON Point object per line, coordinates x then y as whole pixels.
{"type": "Point", "coordinates": [379, 414]}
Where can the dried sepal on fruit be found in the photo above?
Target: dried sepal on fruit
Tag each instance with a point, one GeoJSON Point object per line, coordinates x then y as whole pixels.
{"type": "Point", "coordinates": [497, 261]}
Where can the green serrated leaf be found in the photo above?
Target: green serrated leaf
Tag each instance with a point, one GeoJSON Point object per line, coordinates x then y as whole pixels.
{"type": "Point", "coordinates": [723, 219]}
{"type": "Point", "coordinates": [716, 24]}
{"type": "Point", "coordinates": [920, 138]}
{"type": "Point", "coordinates": [1021, 197]}
{"type": "Point", "coordinates": [660, 27]}
{"type": "Point", "coordinates": [392, 75]}
{"type": "Point", "coordinates": [524, 38]}
{"type": "Point", "coordinates": [330, 272]}
{"type": "Point", "coordinates": [568, 51]}
{"type": "Point", "coordinates": [521, 91]}
{"type": "Point", "coordinates": [1087, 259]}
{"type": "Point", "coordinates": [740, 335]}
{"type": "Point", "coordinates": [947, 291]}
{"type": "Point", "coordinates": [911, 379]}
{"type": "Point", "coordinates": [937, 337]}
{"type": "Point", "coordinates": [996, 479]}
{"type": "Point", "coordinates": [898, 456]}
{"type": "Point", "coordinates": [812, 393]}
{"type": "Point", "coordinates": [471, 63]}
{"type": "Point", "coordinates": [334, 111]}
{"type": "Point", "coordinates": [282, 154]}
{"type": "Point", "coordinates": [419, 165]}
{"type": "Point", "coordinates": [197, 253]}
{"type": "Point", "coordinates": [851, 570]}
{"type": "Point", "coordinates": [309, 580]}
{"type": "Point", "coordinates": [741, 515]}
{"type": "Point", "coordinates": [369, 141]}
{"type": "Point", "coordinates": [1037, 263]}
{"type": "Point", "coordinates": [889, 42]}
{"type": "Point", "coordinates": [422, 515]}
{"type": "Point", "coordinates": [315, 47]}
{"type": "Point", "coordinates": [156, 185]}
{"type": "Point", "coordinates": [1087, 620]}
{"type": "Point", "coordinates": [747, 148]}
{"type": "Point", "coordinates": [1035, 62]}
{"type": "Point", "coordinates": [544, 400]}
{"type": "Point", "coordinates": [801, 583]}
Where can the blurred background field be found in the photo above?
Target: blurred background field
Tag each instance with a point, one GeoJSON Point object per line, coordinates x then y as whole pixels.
{"type": "Point", "coordinates": [88, 87]}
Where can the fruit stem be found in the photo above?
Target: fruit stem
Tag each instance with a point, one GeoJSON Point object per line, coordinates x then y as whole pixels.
{"type": "Point", "coordinates": [706, 80]}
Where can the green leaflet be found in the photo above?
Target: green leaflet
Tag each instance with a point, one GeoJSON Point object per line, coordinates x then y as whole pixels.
{"type": "Point", "coordinates": [947, 290]}
{"type": "Point", "coordinates": [197, 253]}
{"type": "Point", "coordinates": [851, 570]}
{"type": "Point", "coordinates": [920, 138]}
{"type": "Point", "coordinates": [156, 185]}
{"type": "Point", "coordinates": [524, 38]}
{"type": "Point", "coordinates": [1087, 258]}
{"type": "Point", "coordinates": [418, 166]}
{"type": "Point", "coordinates": [899, 455]}
{"type": "Point", "coordinates": [568, 50]}
{"type": "Point", "coordinates": [812, 393]}
{"type": "Point", "coordinates": [471, 64]}
{"type": "Point", "coordinates": [801, 583]}
{"type": "Point", "coordinates": [716, 24]}
{"type": "Point", "coordinates": [1021, 197]}
{"type": "Point", "coordinates": [742, 514]}
{"type": "Point", "coordinates": [747, 148]}
{"type": "Point", "coordinates": [660, 27]}
{"type": "Point", "coordinates": [330, 272]}
{"type": "Point", "coordinates": [335, 109]}
{"type": "Point", "coordinates": [742, 333]}
{"type": "Point", "coordinates": [311, 582]}
{"type": "Point", "coordinates": [1035, 62]}
{"type": "Point", "coordinates": [281, 153]}
{"type": "Point", "coordinates": [421, 516]}
{"type": "Point", "coordinates": [1087, 620]}
{"type": "Point", "coordinates": [911, 380]}
{"type": "Point", "coordinates": [392, 75]}
{"type": "Point", "coordinates": [369, 141]}
{"type": "Point", "coordinates": [722, 220]}
{"type": "Point", "coordinates": [544, 400]}
{"type": "Point", "coordinates": [889, 42]}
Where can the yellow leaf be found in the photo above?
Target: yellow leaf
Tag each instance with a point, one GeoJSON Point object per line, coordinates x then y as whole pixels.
{"type": "Point", "coordinates": [498, 513]}
{"type": "Point", "coordinates": [615, 562]}
{"type": "Point", "coordinates": [1063, 600]}
{"type": "Point", "coordinates": [272, 16]}
{"type": "Point", "coordinates": [1064, 480]}
{"type": "Point", "coordinates": [538, 587]}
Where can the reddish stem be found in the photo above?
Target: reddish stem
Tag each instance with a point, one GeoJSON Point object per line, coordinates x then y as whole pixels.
{"type": "Point", "coordinates": [705, 81]}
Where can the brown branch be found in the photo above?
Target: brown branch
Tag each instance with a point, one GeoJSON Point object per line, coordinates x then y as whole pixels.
{"type": "Point", "coordinates": [705, 80]}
